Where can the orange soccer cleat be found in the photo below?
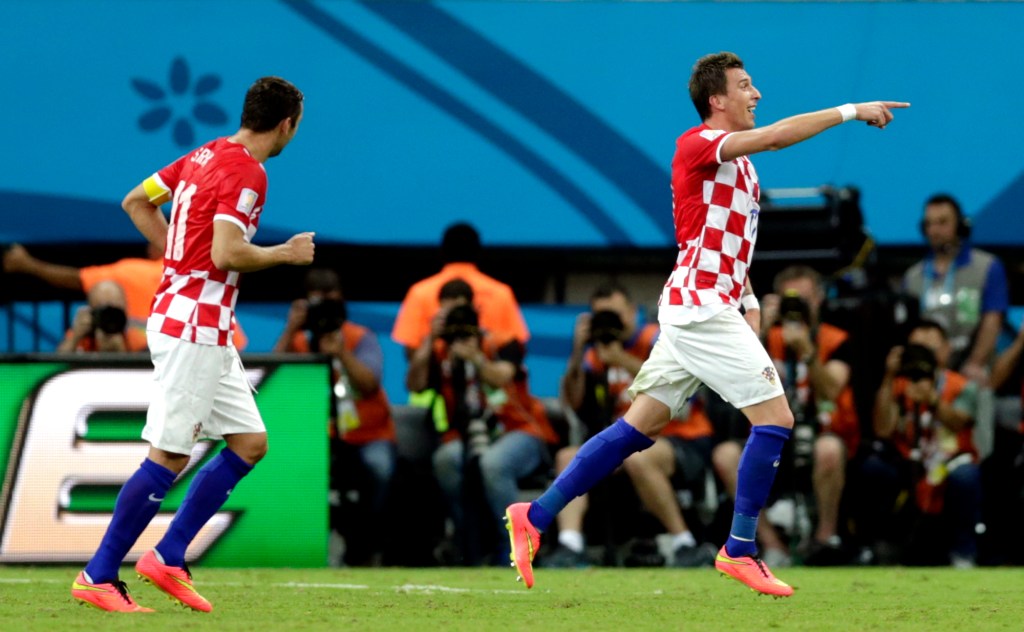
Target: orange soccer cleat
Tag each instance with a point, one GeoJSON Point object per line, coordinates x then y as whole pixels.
{"type": "Point", "coordinates": [173, 580]}
{"type": "Point", "coordinates": [110, 596]}
{"type": "Point", "coordinates": [525, 541]}
{"type": "Point", "coordinates": [753, 572]}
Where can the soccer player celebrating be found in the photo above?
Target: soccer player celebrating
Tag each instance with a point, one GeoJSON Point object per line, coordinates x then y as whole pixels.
{"type": "Point", "coordinates": [704, 338]}
{"type": "Point", "coordinates": [217, 193]}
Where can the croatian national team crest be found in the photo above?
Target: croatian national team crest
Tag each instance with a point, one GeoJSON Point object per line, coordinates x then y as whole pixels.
{"type": "Point", "coordinates": [769, 374]}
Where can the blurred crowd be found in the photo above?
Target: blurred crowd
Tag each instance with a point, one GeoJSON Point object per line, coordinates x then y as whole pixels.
{"type": "Point", "coordinates": [907, 446]}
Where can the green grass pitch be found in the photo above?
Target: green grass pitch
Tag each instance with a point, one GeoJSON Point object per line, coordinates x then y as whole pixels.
{"type": "Point", "coordinates": [444, 600]}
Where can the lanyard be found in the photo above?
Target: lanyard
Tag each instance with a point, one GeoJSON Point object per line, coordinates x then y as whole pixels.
{"type": "Point", "coordinates": [947, 284]}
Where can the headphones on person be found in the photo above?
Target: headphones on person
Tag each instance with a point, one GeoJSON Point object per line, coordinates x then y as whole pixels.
{"type": "Point", "coordinates": [963, 223]}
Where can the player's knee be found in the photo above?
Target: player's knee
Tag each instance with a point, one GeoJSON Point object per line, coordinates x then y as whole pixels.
{"type": "Point", "coordinates": [252, 450]}
{"type": "Point", "coordinates": [170, 460]}
{"type": "Point", "coordinates": [784, 417]}
{"type": "Point", "coordinates": [774, 412]}
{"type": "Point", "coordinates": [780, 416]}
{"type": "Point", "coordinates": [648, 415]}
{"type": "Point", "coordinates": [259, 450]}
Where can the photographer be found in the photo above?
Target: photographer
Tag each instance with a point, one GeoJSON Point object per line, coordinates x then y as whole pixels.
{"type": "Point", "coordinates": [362, 431]}
{"type": "Point", "coordinates": [138, 278]}
{"type": "Point", "coordinates": [812, 360]}
{"type": "Point", "coordinates": [102, 325]}
{"type": "Point", "coordinates": [494, 425]}
{"type": "Point", "coordinates": [609, 346]}
{"type": "Point", "coordinates": [924, 447]}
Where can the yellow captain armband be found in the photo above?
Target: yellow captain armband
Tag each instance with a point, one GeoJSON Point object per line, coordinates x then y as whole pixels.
{"type": "Point", "coordinates": [155, 190]}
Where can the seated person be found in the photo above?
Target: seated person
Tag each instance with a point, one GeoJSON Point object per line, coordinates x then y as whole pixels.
{"type": "Point", "coordinates": [609, 345]}
{"type": "Point", "coordinates": [494, 431]}
{"type": "Point", "coordinates": [679, 458]}
{"type": "Point", "coordinates": [924, 450]}
{"type": "Point", "coordinates": [362, 430]}
{"type": "Point", "coordinates": [812, 359]}
{"type": "Point", "coordinates": [102, 325]}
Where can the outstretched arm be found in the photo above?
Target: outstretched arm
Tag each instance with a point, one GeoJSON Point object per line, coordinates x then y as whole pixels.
{"type": "Point", "coordinates": [792, 130]}
{"type": "Point", "coordinates": [17, 259]}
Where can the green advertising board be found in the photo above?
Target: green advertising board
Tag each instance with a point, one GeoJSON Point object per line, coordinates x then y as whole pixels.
{"type": "Point", "coordinates": [70, 437]}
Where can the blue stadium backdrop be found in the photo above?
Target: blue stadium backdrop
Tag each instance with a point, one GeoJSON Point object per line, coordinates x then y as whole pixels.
{"type": "Point", "coordinates": [546, 123]}
{"type": "Point", "coordinates": [543, 123]}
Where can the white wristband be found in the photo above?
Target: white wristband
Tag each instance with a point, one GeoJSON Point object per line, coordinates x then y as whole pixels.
{"type": "Point", "coordinates": [749, 302]}
{"type": "Point", "coordinates": [848, 111]}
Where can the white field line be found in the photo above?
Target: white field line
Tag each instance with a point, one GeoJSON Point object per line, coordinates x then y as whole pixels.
{"type": "Point", "coordinates": [404, 588]}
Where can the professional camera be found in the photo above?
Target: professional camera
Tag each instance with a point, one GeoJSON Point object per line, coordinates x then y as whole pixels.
{"type": "Point", "coordinates": [917, 363]}
{"type": "Point", "coordinates": [794, 309]}
{"type": "Point", "coordinates": [324, 316]}
{"type": "Point", "coordinates": [460, 323]}
{"type": "Point", "coordinates": [109, 319]}
{"type": "Point", "coordinates": [606, 327]}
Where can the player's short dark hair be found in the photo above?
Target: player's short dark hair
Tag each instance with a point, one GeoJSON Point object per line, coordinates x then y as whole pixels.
{"type": "Point", "coordinates": [708, 78]}
{"type": "Point", "coordinates": [268, 102]}
{"type": "Point", "coordinates": [461, 243]}
{"type": "Point", "coordinates": [456, 288]}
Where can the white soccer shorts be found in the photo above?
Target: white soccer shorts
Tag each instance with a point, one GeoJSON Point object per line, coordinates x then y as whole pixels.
{"type": "Point", "coordinates": [722, 352]}
{"type": "Point", "coordinates": [201, 393]}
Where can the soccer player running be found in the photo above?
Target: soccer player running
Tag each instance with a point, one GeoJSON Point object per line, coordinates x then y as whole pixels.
{"type": "Point", "coordinates": [217, 193]}
{"type": "Point", "coordinates": [704, 338]}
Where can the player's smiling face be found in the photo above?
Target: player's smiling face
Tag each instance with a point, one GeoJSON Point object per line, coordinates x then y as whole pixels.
{"type": "Point", "coordinates": [740, 99]}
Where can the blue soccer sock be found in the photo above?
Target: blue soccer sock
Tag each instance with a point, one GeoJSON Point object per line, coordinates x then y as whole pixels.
{"type": "Point", "coordinates": [137, 503]}
{"type": "Point", "coordinates": [597, 458]}
{"type": "Point", "coordinates": [758, 464]}
{"type": "Point", "coordinates": [206, 495]}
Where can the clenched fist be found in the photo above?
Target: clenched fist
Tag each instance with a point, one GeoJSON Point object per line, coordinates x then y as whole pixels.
{"type": "Point", "coordinates": [301, 248]}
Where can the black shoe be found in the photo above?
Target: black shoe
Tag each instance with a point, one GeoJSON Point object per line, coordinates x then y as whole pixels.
{"type": "Point", "coordinates": [694, 556]}
{"type": "Point", "coordinates": [564, 557]}
{"type": "Point", "coordinates": [644, 554]}
{"type": "Point", "coordinates": [829, 553]}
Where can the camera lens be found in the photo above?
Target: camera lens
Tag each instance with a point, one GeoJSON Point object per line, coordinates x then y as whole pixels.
{"type": "Point", "coordinates": [606, 327]}
{"type": "Point", "coordinates": [109, 319]}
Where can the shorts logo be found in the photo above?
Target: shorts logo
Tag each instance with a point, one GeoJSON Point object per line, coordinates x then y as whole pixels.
{"type": "Point", "coordinates": [769, 374]}
{"type": "Point", "coordinates": [196, 429]}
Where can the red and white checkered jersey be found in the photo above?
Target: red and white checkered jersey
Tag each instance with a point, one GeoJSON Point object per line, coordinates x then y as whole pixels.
{"type": "Point", "coordinates": [715, 209]}
{"type": "Point", "coordinates": [219, 181]}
